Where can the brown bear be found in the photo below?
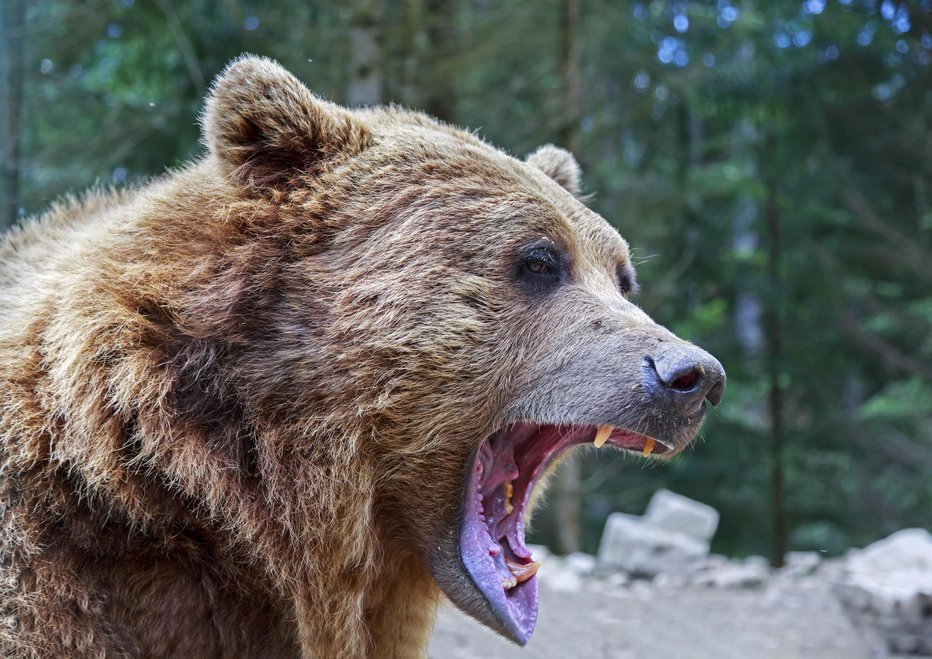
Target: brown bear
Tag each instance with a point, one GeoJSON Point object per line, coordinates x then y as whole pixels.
{"type": "Point", "coordinates": [278, 402]}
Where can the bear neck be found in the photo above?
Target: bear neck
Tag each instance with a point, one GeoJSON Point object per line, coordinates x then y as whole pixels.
{"type": "Point", "coordinates": [171, 357]}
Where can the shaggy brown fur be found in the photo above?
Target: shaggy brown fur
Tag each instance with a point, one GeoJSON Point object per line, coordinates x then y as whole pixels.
{"type": "Point", "coordinates": [236, 404]}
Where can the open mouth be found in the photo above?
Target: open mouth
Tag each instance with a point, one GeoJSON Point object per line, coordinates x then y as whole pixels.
{"type": "Point", "coordinates": [503, 474]}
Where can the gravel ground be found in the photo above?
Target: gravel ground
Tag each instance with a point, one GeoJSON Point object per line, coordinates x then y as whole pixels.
{"type": "Point", "coordinates": [786, 619]}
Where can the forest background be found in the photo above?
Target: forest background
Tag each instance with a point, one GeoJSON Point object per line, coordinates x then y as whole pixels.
{"type": "Point", "coordinates": [770, 162]}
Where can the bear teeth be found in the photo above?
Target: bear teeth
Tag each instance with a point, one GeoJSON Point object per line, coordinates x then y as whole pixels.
{"type": "Point", "coordinates": [601, 435]}
{"type": "Point", "coordinates": [522, 572]}
{"type": "Point", "coordinates": [509, 492]}
{"type": "Point", "coordinates": [649, 447]}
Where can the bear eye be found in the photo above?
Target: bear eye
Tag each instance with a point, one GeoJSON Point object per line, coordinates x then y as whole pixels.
{"type": "Point", "coordinates": [539, 268]}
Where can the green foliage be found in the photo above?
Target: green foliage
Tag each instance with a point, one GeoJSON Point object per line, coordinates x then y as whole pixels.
{"type": "Point", "coordinates": [695, 116]}
{"type": "Point", "coordinates": [901, 400]}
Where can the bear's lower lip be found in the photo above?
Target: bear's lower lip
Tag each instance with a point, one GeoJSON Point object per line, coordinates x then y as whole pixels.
{"type": "Point", "coordinates": [502, 476]}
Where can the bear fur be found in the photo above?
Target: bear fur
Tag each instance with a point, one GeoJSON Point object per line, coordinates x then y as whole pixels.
{"type": "Point", "coordinates": [237, 403]}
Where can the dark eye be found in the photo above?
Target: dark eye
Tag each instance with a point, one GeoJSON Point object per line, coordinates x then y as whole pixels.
{"type": "Point", "coordinates": [626, 280]}
{"type": "Point", "coordinates": [540, 268]}
{"type": "Point", "coordinates": [537, 266]}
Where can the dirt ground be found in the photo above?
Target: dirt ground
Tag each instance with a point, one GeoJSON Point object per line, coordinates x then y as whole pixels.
{"type": "Point", "coordinates": [783, 620]}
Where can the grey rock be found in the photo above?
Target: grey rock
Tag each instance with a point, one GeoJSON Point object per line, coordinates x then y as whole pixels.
{"type": "Point", "coordinates": [555, 576]}
{"type": "Point", "coordinates": [580, 563]}
{"type": "Point", "coordinates": [735, 575]}
{"type": "Point", "coordinates": [632, 544]}
{"type": "Point", "coordinates": [888, 585]}
{"type": "Point", "coordinates": [801, 563]}
{"type": "Point", "coordinates": [909, 549]}
{"type": "Point", "coordinates": [618, 579]}
{"type": "Point", "coordinates": [672, 580]}
{"type": "Point", "coordinates": [757, 561]}
{"type": "Point", "coordinates": [675, 512]}
{"type": "Point", "coordinates": [715, 560]}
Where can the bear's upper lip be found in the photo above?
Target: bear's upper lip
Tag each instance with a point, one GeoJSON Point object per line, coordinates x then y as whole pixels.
{"type": "Point", "coordinates": [501, 477]}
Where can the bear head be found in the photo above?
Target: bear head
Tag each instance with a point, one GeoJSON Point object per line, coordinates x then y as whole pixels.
{"type": "Point", "coordinates": [453, 318]}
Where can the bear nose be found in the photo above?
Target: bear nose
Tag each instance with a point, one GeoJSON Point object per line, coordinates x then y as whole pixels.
{"type": "Point", "coordinates": [682, 377]}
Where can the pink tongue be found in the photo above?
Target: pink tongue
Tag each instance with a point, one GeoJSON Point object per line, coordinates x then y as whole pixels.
{"type": "Point", "coordinates": [497, 455]}
{"type": "Point", "coordinates": [513, 611]}
{"type": "Point", "coordinates": [498, 467]}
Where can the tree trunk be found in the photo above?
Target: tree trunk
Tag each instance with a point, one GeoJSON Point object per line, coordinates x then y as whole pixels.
{"type": "Point", "coordinates": [570, 74]}
{"type": "Point", "coordinates": [11, 100]}
{"type": "Point", "coordinates": [366, 57]}
{"type": "Point", "coordinates": [439, 96]}
{"type": "Point", "coordinates": [775, 355]}
{"type": "Point", "coordinates": [567, 503]}
{"type": "Point", "coordinates": [410, 91]}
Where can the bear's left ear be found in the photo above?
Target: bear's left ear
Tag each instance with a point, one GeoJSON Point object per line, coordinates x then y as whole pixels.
{"type": "Point", "coordinates": [559, 164]}
{"type": "Point", "coordinates": [265, 126]}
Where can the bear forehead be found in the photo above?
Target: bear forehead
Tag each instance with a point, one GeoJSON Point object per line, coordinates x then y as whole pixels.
{"type": "Point", "coordinates": [529, 200]}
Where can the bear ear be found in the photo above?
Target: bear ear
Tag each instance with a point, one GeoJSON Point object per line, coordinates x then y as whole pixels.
{"type": "Point", "coordinates": [264, 126]}
{"type": "Point", "coordinates": [559, 164]}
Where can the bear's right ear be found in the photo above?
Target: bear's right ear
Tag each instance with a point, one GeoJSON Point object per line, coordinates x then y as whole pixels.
{"type": "Point", "coordinates": [264, 126]}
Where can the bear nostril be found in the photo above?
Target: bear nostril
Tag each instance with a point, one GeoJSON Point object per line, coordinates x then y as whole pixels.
{"type": "Point", "coordinates": [686, 381]}
{"type": "Point", "coordinates": [714, 396]}
{"type": "Point", "coordinates": [682, 379]}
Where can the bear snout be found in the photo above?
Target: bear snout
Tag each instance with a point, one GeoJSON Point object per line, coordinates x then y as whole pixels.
{"type": "Point", "coordinates": [681, 378]}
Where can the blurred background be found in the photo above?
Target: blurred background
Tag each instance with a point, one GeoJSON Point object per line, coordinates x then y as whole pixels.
{"type": "Point", "coordinates": [769, 161]}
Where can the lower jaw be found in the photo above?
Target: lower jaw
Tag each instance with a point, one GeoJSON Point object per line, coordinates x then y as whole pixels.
{"type": "Point", "coordinates": [502, 476]}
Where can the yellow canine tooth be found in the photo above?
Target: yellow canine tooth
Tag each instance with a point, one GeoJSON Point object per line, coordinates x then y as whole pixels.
{"type": "Point", "coordinates": [601, 435]}
{"type": "Point", "coordinates": [521, 571]}
{"type": "Point", "coordinates": [648, 447]}
{"type": "Point", "coordinates": [509, 491]}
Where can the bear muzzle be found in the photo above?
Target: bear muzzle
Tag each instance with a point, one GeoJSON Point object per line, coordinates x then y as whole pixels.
{"type": "Point", "coordinates": [681, 378]}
